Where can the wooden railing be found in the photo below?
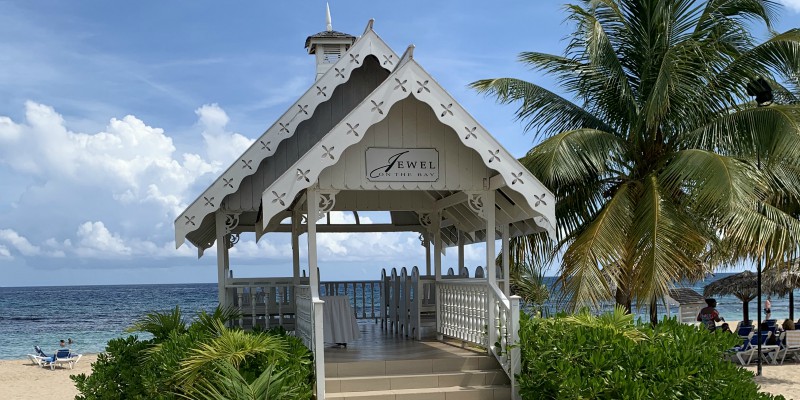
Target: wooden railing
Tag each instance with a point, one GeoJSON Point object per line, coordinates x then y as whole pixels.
{"type": "Point", "coordinates": [364, 296]}
{"type": "Point", "coordinates": [264, 302]}
{"type": "Point", "coordinates": [478, 312]}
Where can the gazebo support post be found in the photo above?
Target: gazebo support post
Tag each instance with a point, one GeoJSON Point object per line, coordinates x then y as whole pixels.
{"type": "Point", "coordinates": [312, 204]}
{"type": "Point", "coordinates": [427, 238]}
{"type": "Point", "coordinates": [437, 268]}
{"type": "Point", "coordinates": [295, 249]}
{"type": "Point", "coordinates": [506, 266]}
{"type": "Point", "coordinates": [460, 251]}
{"type": "Point", "coordinates": [491, 267]}
{"type": "Point", "coordinates": [223, 262]}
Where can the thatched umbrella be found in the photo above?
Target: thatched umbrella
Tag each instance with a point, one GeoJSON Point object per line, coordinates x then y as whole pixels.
{"type": "Point", "coordinates": [743, 285]}
{"type": "Point", "coordinates": [783, 283]}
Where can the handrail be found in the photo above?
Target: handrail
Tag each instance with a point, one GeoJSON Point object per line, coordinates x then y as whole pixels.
{"type": "Point", "coordinates": [475, 311]}
{"type": "Point", "coordinates": [310, 331]}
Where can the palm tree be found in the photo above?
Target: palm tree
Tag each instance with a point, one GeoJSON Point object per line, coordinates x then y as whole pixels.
{"type": "Point", "coordinates": [662, 161]}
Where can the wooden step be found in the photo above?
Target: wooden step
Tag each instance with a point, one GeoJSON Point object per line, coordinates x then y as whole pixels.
{"type": "Point", "coordinates": [416, 381]}
{"type": "Point", "coordinates": [400, 367]}
{"type": "Point", "coordinates": [495, 392]}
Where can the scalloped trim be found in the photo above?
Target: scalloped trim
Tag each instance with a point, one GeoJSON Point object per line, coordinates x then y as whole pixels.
{"type": "Point", "coordinates": [247, 164]}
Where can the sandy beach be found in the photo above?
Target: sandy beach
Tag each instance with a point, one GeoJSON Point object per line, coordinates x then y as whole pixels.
{"type": "Point", "coordinates": [21, 380]}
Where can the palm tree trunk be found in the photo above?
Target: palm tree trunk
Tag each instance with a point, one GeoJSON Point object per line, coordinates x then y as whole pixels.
{"type": "Point", "coordinates": [653, 311]}
{"type": "Point", "coordinates": [623, 299]}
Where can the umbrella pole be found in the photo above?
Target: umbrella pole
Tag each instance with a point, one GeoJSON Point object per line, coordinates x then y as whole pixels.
{"type": "Point", "coordinates": [791, 305]}
{"type": "Point", "coordinates": [745, 311]}
{"type": "Point", "coordinates": [758, 306]}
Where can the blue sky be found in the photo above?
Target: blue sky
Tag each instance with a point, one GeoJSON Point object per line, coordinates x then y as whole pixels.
{"type": "Point", "coordinates": [114, 116]}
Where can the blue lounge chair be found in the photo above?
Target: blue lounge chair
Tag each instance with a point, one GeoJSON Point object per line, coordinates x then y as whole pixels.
{"type": "Point", "coordinates": [40, 358]}
{"type": "Point", "coordinates": [750, 348]}
{"type": "Point", "coordinates": [64, 356]}
{"type": "Point", "coordinates": [744, 331]}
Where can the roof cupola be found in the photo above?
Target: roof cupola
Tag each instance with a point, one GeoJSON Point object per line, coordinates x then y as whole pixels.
{"type": "Point", "coordinates": [329, 45]}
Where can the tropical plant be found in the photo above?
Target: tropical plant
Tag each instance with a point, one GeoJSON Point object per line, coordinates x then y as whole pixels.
{"type": "Point", "coordinates": [227, 383]}
{"type": "Point", "coordinates": [610, 357]}
{"type": "Point", "coordinates": [662, 166]}
{"type": "Point", "coordinates": [160, 324]}
{"type": "Point", "coordinates": [199, 360]}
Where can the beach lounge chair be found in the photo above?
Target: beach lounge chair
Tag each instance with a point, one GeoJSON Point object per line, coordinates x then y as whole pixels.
{"type": "Point", "coordinates": [40, 358]}
{"type": "Point", "coordinates": [744, 331]}
{"type": "Point", "coordinates": [64, 356]}
{"type": "Point", "coordinates": [751, 348]}
{"type": "Point", "coordinates": [790, 344]}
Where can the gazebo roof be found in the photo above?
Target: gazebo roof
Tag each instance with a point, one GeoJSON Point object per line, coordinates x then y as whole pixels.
{"type": "Point", "coordinates": [520, 199]}
{"type": "Point", "coordinates": [327, 35]}
{"type": "Point", "coordinates": [686, 296]}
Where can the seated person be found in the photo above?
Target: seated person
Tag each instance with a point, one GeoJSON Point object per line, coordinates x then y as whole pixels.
{"type": "Point", "coordinates": [788, 325]}
{"type": "Point", "coordinates": [725, 328]}
{"type": "Point", "coordinates": [772, 339]}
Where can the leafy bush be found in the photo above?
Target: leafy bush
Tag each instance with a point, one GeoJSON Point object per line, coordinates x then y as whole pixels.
{"type": "Point", "coordinates": [201, 360]}
{"type": "Point", "coordinates": [610, 357]}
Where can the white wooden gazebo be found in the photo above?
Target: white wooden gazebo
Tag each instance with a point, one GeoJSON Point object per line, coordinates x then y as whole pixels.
{"type": "Point", "coordinates": [375, 132]}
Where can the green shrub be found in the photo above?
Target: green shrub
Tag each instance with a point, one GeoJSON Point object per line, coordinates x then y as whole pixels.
{"type": "Point", "coordinates": [185, 362]}
{"type": "Point", "coordinates": [610, 357]}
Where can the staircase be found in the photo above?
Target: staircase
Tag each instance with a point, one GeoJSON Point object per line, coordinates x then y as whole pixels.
{"type": "Point", "coordinates": [445, 378]}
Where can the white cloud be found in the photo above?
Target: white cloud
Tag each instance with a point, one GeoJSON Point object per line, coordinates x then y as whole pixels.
{"type": "Point", "coordinates": [18, 242]}
{"type": "Point", "coordinates": [791, 4]}
{"type": "Point", "coordinates": [222, 146]}
{"type": "Point", "coordinates": [5, 254]}
{"type": "Point", "coordinates": [95, 240]}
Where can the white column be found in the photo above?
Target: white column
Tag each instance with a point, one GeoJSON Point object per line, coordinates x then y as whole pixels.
{"type": "Point", "coordinates": [437, 245]}
{"type": "Point", "coordinates": [491, 269]}
{"type": "Point", "coordinates": [296, 247]}
{"type": "Point", "coordinates": [506, 266]}
{"type": "Point", "coordinates": [437, 266]}
{"type": "Point", "coordinates": [427, 238]}
{"type": "Point", "coordinates": [488, 210]}
{"type": "Point", "coordinates": [223, 263]}
{"type": "Point", "coordinates": [312, 205]}
{"type": "Point", "coordinates": [460, 251]}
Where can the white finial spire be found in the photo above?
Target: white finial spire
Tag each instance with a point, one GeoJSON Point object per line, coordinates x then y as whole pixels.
{"type": "Point", "coordinates": [329, 26]}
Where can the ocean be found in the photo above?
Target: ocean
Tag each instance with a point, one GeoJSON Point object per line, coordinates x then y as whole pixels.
{"type": "Point", "coordinates": [92, 315]}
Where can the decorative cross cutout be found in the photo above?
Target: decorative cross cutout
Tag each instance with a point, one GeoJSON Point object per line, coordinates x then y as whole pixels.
{"type": "Point", "coordinates": [388, 60]}
{"type": "Point", "coordinates": [540, 200]}
{"type": "Point", "coordinates": [447, 109]}
{"type": "Point", "coordinates": [400, 84]}
{"type": "Point", "coordinates": [354, 58]}
{"type": "Point", "coordinates": [517, 178]}
{"type": "Point", "coordinates": [247, 164]}
{"type": "Point", "coordinates": [328, 152]}
{"type": "Point", "coordinates": [352, 129]}
{"type": "Point", "coordinates": [422, 86]}
{"type": "Point", "coordinates": [265, 146]}
{"type": "Point", "coordinates": [284, 127]}
{"type": "Point", "coordinates": [303, 109]}
{"type": "Point", "coordinates": [471, 133]}
{"type": "Point", "coordinates": [209, 201]}
{"type": "Point", "coordinates": [494, 155]}
{"type": "Point", "coordinates": [278, 198]}
{"type": "Point", "coordinates": [377, 107]}
{"type": "Point", "coordinates": [321, 91]}
{"type": "Point", "coordinates": [227, 182]}
{"type": "Point", "coordinates": [339, 72]}
{"type": "Point", "coordinates": [303, 175]}
{"type": "Point", "coordinates": [189, 220]}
